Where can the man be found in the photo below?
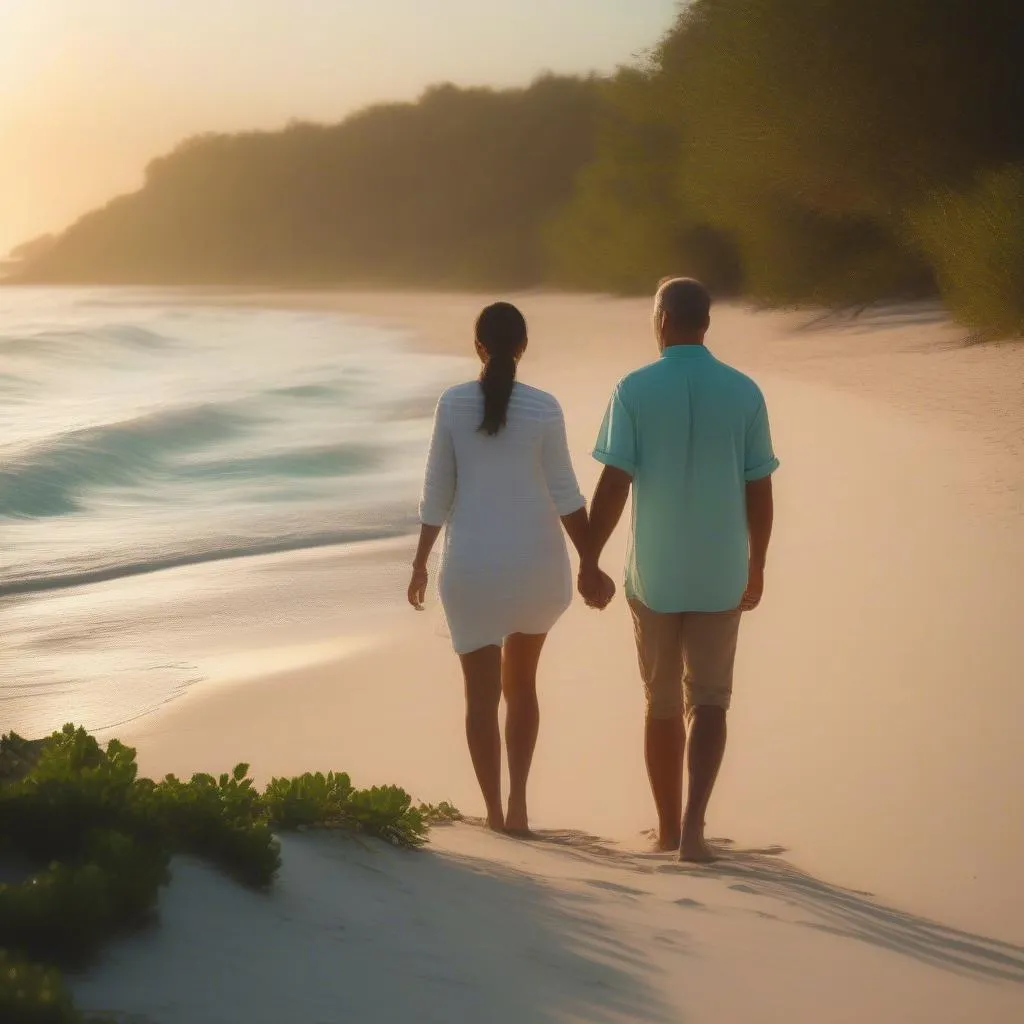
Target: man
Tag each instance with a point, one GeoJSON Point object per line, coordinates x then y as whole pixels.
{"type": "Point", "coordinates": [689, 436]}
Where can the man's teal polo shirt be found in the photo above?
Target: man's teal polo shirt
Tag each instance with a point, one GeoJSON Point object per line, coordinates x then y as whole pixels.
{"type": "Point", "coordinates": [691, 431]}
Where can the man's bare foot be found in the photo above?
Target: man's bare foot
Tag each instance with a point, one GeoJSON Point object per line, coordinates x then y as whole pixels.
{"type": "Point", "coordinates": [517, 821]}
{"type": "Point", "coordinates": [694, 849]}
{"type": "Point", "coordinates": [496, 822]}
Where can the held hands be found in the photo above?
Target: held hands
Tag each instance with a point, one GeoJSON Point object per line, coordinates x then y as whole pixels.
{"type": "Point", "coordinates": [596, 587]}
{"type": "Point", "coordinates": [418, 587]}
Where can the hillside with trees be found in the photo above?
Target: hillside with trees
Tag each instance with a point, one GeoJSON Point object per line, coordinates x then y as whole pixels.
{"type": "Point", "coordinates": [833, 152]}
{"type": "Point", "coordinates": [451, 190]}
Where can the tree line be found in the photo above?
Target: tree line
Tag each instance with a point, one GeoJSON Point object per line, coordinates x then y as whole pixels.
{"type": "Point", "coordinates": [831, 152]}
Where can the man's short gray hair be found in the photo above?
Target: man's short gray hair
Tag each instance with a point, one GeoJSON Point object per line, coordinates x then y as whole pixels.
{"type": "Point", "coordinates": [685, 302]}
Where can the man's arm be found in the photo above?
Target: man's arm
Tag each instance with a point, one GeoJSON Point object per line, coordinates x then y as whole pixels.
{"type": "Point", "coordinates": [616, 450]}
{"type": "Point", "coordinates": [605, 512]}
{"type": "Point", "coordinates": [760, 516]}
{"type": "Point", "coordinates": [607, 507]}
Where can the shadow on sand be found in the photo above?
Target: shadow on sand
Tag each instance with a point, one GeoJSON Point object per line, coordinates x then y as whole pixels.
{"type": "Point", "coordinates": [363, 932]}
{"type": "Point", "coordinates": [876, 317]}
{"type": "Point", "coordinates": [847, 913]}
{"type": "Point", "coordinates": [852, 914]}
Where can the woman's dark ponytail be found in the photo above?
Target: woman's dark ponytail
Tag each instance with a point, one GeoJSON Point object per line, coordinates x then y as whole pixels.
{"type": "Point", "coordinates": [499, 374]}
{"type": "Point", "coordinates": [501, 335]}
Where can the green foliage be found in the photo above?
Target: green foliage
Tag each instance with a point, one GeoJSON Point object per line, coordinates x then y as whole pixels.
{"type": "Point", "coordinates": [308, 800]}
{"type": "Point", "coordinates": [222, 819]}
{"type": "Point", "coordinates": [828, 261]}
{"type": "Point", "coordinates": [98, 841]}
{"type": "Point", "coordinates": [629, 222]}
{"type": "Point", "coordinates": [975, 241]}
{"type": "Point", "coordinates": [798, 149]}
{"type": "Point", "coordinates": [18, 756]}
{"type": "Point", "coordinates": [74, 787]}
{"type": "Point", "coordinates": [64, 912]}
{"type": "Point", "coordinates": [30, 994]}
{"type": "Point", "coordinates": [443, 813]}
{"type": "Point", "coordinates": [384, 812]}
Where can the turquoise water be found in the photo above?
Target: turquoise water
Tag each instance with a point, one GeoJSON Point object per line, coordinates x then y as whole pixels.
{"type": "Point", "coordinates": [141, 431]}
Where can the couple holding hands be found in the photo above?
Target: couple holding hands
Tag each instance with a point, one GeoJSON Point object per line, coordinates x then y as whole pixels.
{"type": "Point", "coordinates": [688, 437]}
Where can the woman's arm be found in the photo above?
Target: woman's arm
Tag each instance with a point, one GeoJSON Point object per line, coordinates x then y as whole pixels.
{"type": "Point", "coordinates": [577, 526]}
{"type": "Point", "coordinates": [558, 472]}
{"type": "Point", "coordinates": [439, 479]}
{"type": "Point", "coordinates": [572, 507]}
{"type": "Point", "coordinates": [420, 577]}
{"type": "Point", "coordinates": [436, 502]}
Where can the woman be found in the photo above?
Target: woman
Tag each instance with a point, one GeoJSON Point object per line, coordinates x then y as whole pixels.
{"type": "Point", "coordinates": [500, 477]}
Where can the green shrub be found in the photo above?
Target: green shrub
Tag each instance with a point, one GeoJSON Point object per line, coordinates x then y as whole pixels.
{"type": "Point", "coordinates": [443, 813]}
{"type": "Point", "coordinates": [30, 994]}
{"type": "Point", "coordinates": [975, 242]}
{"type": "Point", "coordinates": [795, 256]}
{"type": "Point", "coordinates": [385, 812]}
{"type": "Point", "coordinates": [64, 912]}
{"type": "Point", "coordinates": [18, 756]}
{"type": "Point", "coordinates": [223, 820]}
{"type": "Point", "coordinates": [74, 787]}
{"type": "Point", "coordinates": [308, 799]}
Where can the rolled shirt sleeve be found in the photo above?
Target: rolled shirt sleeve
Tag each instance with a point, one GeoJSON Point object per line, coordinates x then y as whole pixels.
{"type": "Point", "coordinates": [439, 481]}
{"type": "Point", "coordinates": [561, 478]}
{"type": "Point", "coordinates": [759, 455]}
{"type": "Point", "coordinates": [616, 441]}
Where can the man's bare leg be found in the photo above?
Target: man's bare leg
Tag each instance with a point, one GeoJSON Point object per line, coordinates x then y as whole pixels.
{"type": "Point", "coordinates": [664, 744]}
{"type": "Point", "coordinates": [705, 749]}
{"type": "Point", "coordinates": [520, 657]}
{"type": "Point", "coordinates": [482, 672]}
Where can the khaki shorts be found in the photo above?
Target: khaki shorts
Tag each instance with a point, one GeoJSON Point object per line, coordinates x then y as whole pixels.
{"type": "Point", "coordinates": [686, 658]}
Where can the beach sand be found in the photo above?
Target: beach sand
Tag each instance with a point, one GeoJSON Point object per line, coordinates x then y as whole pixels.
{"type": "Point", "coordinates": [872, 785]}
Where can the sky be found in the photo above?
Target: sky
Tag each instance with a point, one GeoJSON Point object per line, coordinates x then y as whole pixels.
{"type": "Point", "coordinates": [91, 90]}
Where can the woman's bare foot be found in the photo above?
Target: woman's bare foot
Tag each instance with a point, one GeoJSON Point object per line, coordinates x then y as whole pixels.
{"type": "Point", "coordinates": [665, 844]}
{"type": "Point", "coordinates": [495, 822]}
{"type": "Point", "coordinates": [694, 849]}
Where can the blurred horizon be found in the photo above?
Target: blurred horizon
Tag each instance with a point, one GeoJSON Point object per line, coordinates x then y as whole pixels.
{"type": "Point", "coordinates": [92, 93]}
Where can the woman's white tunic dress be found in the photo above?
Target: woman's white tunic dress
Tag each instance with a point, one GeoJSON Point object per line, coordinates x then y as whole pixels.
{"type": "Point", "coordinates": [505, 567]}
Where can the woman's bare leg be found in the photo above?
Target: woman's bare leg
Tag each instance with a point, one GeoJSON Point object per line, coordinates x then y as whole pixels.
{"type": "Point", "coordinates": [482, 672]}
{"type": "Point", "coordinates": [520, 657]}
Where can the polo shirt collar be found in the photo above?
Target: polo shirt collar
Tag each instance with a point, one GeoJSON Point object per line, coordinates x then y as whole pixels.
{"type": "Point", "coordinates": [685, 352]}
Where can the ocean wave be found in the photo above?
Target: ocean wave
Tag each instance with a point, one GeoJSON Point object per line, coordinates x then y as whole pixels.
{"type": "Point", "coordinates": [60, 342]}
{"type": "Point", "coordinates": [43, 581]}
{"type": "Point", "coordinates": [326, 461]}
{"type": "Point", "coordinates": [316, 392]}
{"type": "Point", "coordinates": [134, 336]}
{"type": "Point", "coordinates": [50, 478]}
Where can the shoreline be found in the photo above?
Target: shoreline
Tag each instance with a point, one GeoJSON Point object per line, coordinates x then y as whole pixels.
{"type": "Point", "coordinates": [903, 353]}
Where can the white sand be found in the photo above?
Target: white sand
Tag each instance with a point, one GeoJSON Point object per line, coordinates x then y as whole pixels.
{"type": "Point", "coordinates": [489, 929]}
{"type": "Point", "coordinates": [875, 735]}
